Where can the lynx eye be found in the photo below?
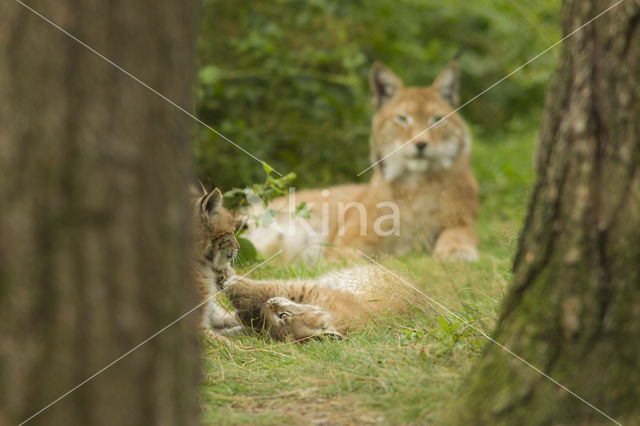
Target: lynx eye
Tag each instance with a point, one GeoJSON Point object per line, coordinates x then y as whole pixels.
{"type": "Point", "coordinates": [403, 120]}
{"type": "Point", "coordinates": [435, 118]}
{"type": "Point", "coordinates": [283, 315]}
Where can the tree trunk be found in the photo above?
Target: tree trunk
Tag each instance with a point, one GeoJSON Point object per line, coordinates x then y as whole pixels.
{"type": "Point", "coordinates": [573, 310]}
{"type": "Point", "coordinates": [94, 225]}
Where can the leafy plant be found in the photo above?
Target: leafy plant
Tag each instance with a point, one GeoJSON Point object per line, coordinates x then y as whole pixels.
{"type": "Point", "coordinates": [253, 202]}
{"type": "Point", "coordinates": [450, 336]}
{"type": "Point", "coordinates": [272, 187]}
{"type": "Point", "coordinates": [288, 79]}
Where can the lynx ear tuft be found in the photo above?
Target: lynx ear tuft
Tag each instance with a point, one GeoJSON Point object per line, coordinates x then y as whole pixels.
{"type": "Point", "coordinates": [448, 84]}
{"type": "Point", "coordinates": [384, 84]}
{"type": "Point", "coordinates": [212, 202]}
{"type": "Point", "coordinates": [204, 190]}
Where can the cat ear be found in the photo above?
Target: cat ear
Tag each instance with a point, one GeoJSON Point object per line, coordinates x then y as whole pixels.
{"type": "Point", "coordinates": [448, 84]}
{"type": "Point", "coordinates": [384, 84]}
{"type": "Point", "coordinates": [211, 203]}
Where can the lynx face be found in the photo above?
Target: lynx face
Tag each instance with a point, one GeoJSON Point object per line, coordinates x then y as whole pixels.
{"type": "Point", "coordinates": [403, 114]}
{"type": "Point", "coordinates": [287, 320]}
{"type": "Point", "coordinates": [215, 244]}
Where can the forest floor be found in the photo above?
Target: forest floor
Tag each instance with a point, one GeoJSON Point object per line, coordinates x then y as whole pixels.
{"type": "Point", "coordinates": [402, 370]}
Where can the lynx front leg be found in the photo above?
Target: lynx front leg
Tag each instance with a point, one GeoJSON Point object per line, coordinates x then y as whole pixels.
{"type": "Point", "coordinates": [457, 243]}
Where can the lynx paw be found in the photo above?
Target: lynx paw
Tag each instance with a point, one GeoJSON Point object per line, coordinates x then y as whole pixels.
{"type": "Point", "coordinates": [211, 337]}
{"type": "Point", "coordinates": [231, 281]}
{"type": "Point", "coordinates": [464, 252]}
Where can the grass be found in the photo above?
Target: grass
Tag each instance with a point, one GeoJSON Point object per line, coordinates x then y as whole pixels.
{"type": "Point", "coordinates": [402, 369]}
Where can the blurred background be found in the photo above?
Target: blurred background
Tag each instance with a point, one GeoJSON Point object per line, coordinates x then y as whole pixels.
{"type": "Point", "coordinates": [288, 79]}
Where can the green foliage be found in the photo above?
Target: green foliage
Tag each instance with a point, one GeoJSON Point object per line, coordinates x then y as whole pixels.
{"type": "Point", "coordinates": [247, 253]}
{"type": "Point", "coordinates": [402, 369]}
{"type": "Point", "coordinates": [260, 195]}
{"type": "Point", "coordinates": [287, 79]}
{"type": "Point", "coordinates": [454, 335]}
{"type": "Point", "coordinates": [272, 187]}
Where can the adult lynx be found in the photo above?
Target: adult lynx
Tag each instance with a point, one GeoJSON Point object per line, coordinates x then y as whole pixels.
{"type": "Point", "coordinates": [422, 193]}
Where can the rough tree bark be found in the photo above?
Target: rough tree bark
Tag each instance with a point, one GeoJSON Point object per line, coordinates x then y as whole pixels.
{"type": "Point", "coordinates": [574, 307]}
{"type": "Point", "coordinates": [94, 222]}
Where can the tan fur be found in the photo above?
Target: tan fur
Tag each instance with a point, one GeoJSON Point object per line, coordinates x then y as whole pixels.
{"type": "Point", "coordinates": [214, 247]}
{"type": "Point", "coordinates": [434, 189]}
{"type": "Point", "coordinates": [335, 304]}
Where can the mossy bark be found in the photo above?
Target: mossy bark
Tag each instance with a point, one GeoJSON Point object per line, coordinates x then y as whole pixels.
{"type": "Point", "coordinates": [573, 310]}
{"type": "Point", "coordinates": [94, 222]}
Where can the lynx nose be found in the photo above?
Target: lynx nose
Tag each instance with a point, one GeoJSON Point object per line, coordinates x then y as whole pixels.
{"type": "Point", "coordinates": [421, 146]}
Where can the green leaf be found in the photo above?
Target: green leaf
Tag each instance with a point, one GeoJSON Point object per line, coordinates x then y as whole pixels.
{"type": "Point", "coordinates": [444, 325]}
{"type": "Point", "coordinates": [247, 253]}
{"type": "Point", "coordinates": [267, 169]}
{"type": "Point", "coordinates": [302, 210]}
{"type": "Point", "coordinates": [234, 192]}
{"type": "Point", "coordinates": [209, 75]}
